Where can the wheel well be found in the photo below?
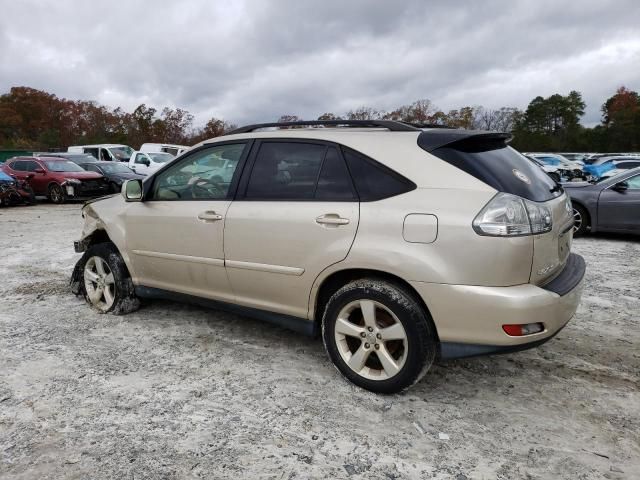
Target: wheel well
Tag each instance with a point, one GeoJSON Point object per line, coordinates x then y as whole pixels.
{"type": "Point", "coordinates": [585, 209]}
{"type": "Point", "coordinates": [98, 236]}
{"type": "Point", "coordinates": [337, 280]}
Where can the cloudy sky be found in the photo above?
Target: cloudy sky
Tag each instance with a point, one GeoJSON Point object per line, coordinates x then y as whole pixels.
{"type": "Point", "coordinates": [248, 61]}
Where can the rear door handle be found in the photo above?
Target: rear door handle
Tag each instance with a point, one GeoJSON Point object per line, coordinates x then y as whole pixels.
{"type": "Point", "coordinates": [209, 216]}
{"type": "Point", "coordinates": [332, 219]}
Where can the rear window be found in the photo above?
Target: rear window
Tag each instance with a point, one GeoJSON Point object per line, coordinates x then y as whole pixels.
{"type": "Point", "coordinates": [501, 167]}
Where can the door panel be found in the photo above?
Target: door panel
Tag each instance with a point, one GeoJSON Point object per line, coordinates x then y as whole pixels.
{"type": "Point", "coordinates": [275, 250]}
{"type": "Point", "coordinates": [173, 249]}
{"type": "Point", "coordinates": [176, 235]}
{"type": "Point", "coordinates": [620, 211]}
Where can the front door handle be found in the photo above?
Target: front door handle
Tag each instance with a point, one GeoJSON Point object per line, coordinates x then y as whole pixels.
{"type": "Point", "coordinates": [332, 219]}
{"type": "Point", "coordinates": [209, 216]}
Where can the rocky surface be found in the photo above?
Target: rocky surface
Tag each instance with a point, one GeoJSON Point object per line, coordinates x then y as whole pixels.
{"type": "Point", "coordinates": [177, 391]}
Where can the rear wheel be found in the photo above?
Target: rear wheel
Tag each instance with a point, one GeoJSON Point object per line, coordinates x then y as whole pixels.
{"type": "Point", "coordinates": [580, 220]}
{"type": "Point", "coordinates": [378, 336]}
{"type": "Point", "coordinates": [56, 194]}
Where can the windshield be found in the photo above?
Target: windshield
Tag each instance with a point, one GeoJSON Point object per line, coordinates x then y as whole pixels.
{"type": "Point", "coordinates": [161, 157]}
{"type": "Point", "coordinates": [63, 166]}
{"type": "Point", "coordinates": [121, 153]}
{"type": "Point", "coordinates": [115, 168]}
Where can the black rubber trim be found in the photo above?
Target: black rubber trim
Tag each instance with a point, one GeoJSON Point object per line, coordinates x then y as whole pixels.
{"type": "Point", "coordinates": [453, 350]}
{"type": "Point", "coordinates": [297, 324]}
{"type": "Point", "coordinates": [431, 140]}
{"type": "Point", "coordinates": [571, 275]}
{"type": "Point", "coordinates": [391, 125]}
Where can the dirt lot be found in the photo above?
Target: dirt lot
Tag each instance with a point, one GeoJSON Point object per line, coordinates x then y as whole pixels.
{"type": "Point", "coordinates": [177, 391]}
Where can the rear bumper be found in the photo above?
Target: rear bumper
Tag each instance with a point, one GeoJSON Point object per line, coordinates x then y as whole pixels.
{"type": "Point", "coordinates": [469, 318]}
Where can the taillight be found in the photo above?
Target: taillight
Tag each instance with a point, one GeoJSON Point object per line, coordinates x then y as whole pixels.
{"type": "Point", "coordinates": [519, 330]}
{"type": "Point", "coordinates": [508, 215]}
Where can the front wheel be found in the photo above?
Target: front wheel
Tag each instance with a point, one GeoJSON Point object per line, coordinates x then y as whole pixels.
{"type": "Point", "coordinates": [378, 336]}
{"type": "Point", "coordinates": [105, 281]}
{"type": "Point", "coordinates": [56, 194]}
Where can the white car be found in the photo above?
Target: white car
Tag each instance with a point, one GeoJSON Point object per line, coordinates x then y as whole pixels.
{"type": "Point", "coordinates": [171, 148]}
{"type": "Point", "coordinates": [106, 152]}
{"type": "Point", "coordinates": [145, 163]}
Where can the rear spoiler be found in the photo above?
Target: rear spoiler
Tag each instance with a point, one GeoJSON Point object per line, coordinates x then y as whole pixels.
{"type": "Point", "coordinates": [431, 140]}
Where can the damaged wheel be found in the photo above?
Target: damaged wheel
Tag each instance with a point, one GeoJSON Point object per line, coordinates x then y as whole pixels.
{"type": "Point", "coordinates": [102, 277]}
{"type": "Point", "coordinates": [378, 336]}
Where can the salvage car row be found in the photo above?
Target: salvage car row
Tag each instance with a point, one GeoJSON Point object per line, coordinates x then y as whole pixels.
{"type": "Point", "coordinates": [80, 173]}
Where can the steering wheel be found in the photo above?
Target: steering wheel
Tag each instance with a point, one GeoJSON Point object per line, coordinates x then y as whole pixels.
{"type": "Point", "coordinates": [203, 188]}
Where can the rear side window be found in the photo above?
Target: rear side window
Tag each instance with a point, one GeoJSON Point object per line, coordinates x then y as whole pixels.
{"type": "Point", "coordinates": [286, 171]}
{"type": "Point", "coordinates": [18, 166]}
{"type": "Point", "coordinates": [500, 167]}
{"type": "Point", "coordinates": [374, 181]}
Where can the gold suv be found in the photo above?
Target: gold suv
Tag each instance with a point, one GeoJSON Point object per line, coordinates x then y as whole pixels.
{"type": "Point", "coordinates": [398, 244]}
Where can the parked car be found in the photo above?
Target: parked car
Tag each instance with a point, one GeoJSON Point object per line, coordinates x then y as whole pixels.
{"type": "Point", "coordinates": [568, 170]}
{"type": "Point", "coordinates": [56, 178]}
{"type": "Point", "coordinates": [609, 205]}
{"type": "Point", "coordinates": [398, 244]}
{"type": "Point", "coordinates": [107, 152]}
{"type": "Point", "coordinates": [14, 191]}
{"type": "Point", "coordinates": [79, 158]}
{"type": "Point", "coordinates": [554, 172]}
{"type": "Point", "coordinates": [146, 163]}
{"type": "Point", "coordinates": [116, 173]}
{"type": "Point", "coordinates": [171, 148]}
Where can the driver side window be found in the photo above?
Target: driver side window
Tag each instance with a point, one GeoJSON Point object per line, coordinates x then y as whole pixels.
{"type": "Point", "coordinates": [634, 183]}
{"type": "Point", "coordinates": [203, 175]}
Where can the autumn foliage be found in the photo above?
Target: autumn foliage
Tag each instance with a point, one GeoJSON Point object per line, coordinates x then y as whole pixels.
{"type": "Point", "coordinates": [34, 119]}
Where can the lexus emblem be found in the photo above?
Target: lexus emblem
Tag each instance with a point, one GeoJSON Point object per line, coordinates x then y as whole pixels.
{"type": "Point", "coordinates": [521, 176]}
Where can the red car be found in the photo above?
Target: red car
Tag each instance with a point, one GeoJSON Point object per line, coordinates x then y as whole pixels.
{"type": "Point", "coordinates": [57, 178]}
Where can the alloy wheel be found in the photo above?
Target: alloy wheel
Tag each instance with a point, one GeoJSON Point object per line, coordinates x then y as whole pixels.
{"type": "Point", "coordinates": [99, 283]}
{"type": "Point", "coordinates": [371, 340]}
{"type": "Point", "coordinates": [577, 220]}
{"type": "Point", "coordinates": [56, 194]}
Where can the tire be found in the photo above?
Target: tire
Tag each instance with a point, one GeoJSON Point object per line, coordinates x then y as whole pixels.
{"type": "Point", "coordinates": [56, 194]}
{"type": "Point", "coordinates": [102, 278]}
{"type": "Point", "coordinates": [581, 220]}
{"type": "Point", "coordinates": [378, 365]}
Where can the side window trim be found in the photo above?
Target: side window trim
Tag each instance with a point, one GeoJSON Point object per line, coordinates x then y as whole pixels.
{"type": "Point", "coordinates": [147, 186]}
{"type": "Point", "coordinates": [251, 160]}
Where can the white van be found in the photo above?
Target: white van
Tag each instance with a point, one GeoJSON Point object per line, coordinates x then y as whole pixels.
{"type": "Point", "coordinates": [173, 149]}
{"type": "Point", "coordinates": [146, 163]}
{"type": "Point", "coordinates": [108, 152]}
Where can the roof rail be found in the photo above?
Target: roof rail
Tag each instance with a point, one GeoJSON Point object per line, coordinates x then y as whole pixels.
{"type": "Point", "coordinates": [391, 125]}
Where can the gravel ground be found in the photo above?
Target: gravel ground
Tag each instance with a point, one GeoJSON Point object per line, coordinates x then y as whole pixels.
{"type": "Point", "coordinates": [176, 391]}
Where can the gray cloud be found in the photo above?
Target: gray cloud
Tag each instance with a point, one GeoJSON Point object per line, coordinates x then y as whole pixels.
{"type": "Point", "coordinates": [254, 60]}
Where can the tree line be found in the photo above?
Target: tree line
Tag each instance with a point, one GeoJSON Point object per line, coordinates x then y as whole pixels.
{"type": "Point", "coordinates": [33, 119]}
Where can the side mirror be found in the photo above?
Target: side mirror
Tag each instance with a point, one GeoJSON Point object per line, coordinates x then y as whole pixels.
{"type": "Point", "coordinates": [132, 190]}
{"type": "Point", "coordinates": [39, 170]}
{"type": "Point", "coordinates": [146, 162]}
{"type": "Point", "coordinates": [621, 187]}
